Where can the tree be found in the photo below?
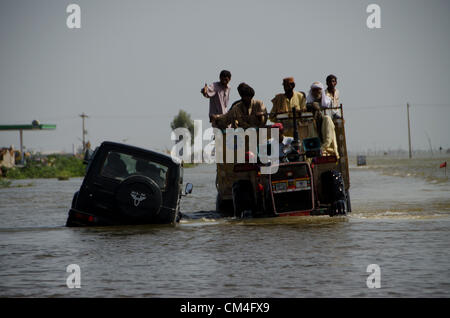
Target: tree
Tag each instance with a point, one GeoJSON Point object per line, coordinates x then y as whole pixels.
{"type": "Point", "coordinates": [183, 120]}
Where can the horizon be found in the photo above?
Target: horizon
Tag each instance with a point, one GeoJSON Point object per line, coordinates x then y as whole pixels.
{"type": "Point", "coordinates": [132, 66]}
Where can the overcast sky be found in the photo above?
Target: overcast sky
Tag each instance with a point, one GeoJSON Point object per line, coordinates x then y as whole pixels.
{"type": "Point", "coordinates": [134, 64]}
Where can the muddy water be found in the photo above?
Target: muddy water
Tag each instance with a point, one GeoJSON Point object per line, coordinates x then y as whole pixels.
{"type": "Point", "coordinates": [400, 222]}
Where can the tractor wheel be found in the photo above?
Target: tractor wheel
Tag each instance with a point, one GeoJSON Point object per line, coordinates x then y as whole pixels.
{"type": "Point", "coordinates": [243, 199]}
{"type": "Point", "coordinates": [224, 207]}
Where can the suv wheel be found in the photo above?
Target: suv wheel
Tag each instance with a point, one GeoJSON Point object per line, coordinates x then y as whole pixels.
{"type": "Point", "coordinates": [138, 197]}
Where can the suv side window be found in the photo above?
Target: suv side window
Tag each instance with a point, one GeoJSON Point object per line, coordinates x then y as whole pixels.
{"type": "Point", "coordinates": [120, 166]}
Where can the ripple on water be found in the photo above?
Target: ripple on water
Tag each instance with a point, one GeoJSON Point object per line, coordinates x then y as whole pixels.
{"type": "Point", "coordinates": [400, 223]}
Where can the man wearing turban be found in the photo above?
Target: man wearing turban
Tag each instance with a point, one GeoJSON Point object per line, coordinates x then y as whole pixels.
{"type": "Point", "coordinates": [246, 113]}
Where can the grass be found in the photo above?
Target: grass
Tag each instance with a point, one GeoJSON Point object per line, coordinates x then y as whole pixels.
{"type": "Point", "coordinates": [189, 165]}
{"type": "Point", "coordinates": [62, 167]}
{"type": "Point", "coordinates": [63, 175]}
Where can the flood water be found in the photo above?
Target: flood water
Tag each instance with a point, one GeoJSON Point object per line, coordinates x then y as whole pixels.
{"type": "Point", "coordinates": [400, 221]}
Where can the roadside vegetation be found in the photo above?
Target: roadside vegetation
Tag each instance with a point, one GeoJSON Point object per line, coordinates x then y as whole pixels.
{"type": "Point", "coordinates": [62, 167]}
{"type": "Point", "coordinates": [183, 120]}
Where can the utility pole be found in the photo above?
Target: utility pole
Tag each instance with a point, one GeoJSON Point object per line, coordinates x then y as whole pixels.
{"type": "Point", "coordinates": [409, 131]}
{"type": "Point", "coordinates": [429, 142]}
{"type": "Point", "coordinates": [84, 131]}
{"type": "Point", "coordinates": [22, 155]}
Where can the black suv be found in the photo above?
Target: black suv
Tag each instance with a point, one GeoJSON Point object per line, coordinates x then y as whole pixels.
{"type": "Point", "coordinates": [128, 185]}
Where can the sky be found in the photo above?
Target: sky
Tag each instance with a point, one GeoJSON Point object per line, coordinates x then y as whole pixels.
{"type": "Point", "coordinates": [134, 64]}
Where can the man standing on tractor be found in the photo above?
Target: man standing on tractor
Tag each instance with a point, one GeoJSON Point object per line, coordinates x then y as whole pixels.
{"type": "Point", "coordinates": [218, 94]}
{"type": "Point", "coordinates": [283, 104]}
{"type": "Point", "coordinates": [331, 91]}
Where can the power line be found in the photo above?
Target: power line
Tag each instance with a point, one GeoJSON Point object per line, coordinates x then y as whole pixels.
{"type": "Point", "coordinates": [128, 116]}
{"type": "Point", "coordinates": [394, 106]}
{"type": "Point", "coordinates": [372, 107]}
{"type": "Point", "coordinates": [431, 105]}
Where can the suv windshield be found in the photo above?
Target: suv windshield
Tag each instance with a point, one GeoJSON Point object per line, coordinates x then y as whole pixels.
{"type": "Point", "coordinates": [120, 166]}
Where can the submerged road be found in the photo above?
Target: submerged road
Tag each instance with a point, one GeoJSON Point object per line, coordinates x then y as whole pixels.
{"type": "Point", "coordinates": [400, 223]}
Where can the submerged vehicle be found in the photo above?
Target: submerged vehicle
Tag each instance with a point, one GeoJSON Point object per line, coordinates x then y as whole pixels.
{"type": "Point", "coordinates": [306, 182]}
{"type": "Point", "coordinates": [128, 185]}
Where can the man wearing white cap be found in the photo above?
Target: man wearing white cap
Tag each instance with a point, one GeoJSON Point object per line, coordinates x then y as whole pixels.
{"type": "Point", "coordinates": [316, 94]}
